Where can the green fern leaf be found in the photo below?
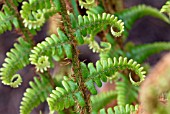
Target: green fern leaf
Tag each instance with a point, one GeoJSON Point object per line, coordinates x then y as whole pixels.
{"type": "Point", "coordinates": [35, 95]}
{"type": "Point", "coordinates": [52, 47]}
{"type": "Point", "coordinates": [88, 4]}
{"type": "Point", "coordinates": [129, 16]}
{"type": "Point", "coordinates": [165, 8]}
{"type": "Point", "coordinates": [147, 50]}
{"type": "Point", "coordinates": [107, 67]}
{"type": "Point", "coordinates": [16, 59]}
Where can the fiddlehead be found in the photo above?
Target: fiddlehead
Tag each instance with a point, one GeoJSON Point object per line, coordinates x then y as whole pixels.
{"type": "Point", "coordinates": [88, 4]}
{"type": "Point", "coordinates": [52, 47]}
{"type": "Point", "coordinates": [129, 16]}
{"type": "Point", "coordinates": [7, 19]}
{"type": "Point", "coordinates": [16, 59]}
{"type": "Point", "coordinates": [128, 109]}
{"type": "Point", "coordinates": [106, 68]}
{"type": "Point", "coordinates": [147, 50]}
{"type": "Point", "coordinates": [35, 95]}
{"type": "Point", "coordinates": [36, 12]}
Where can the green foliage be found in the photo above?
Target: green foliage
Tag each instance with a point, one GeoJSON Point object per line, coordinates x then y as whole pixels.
{"type": "Point", "coordinates": [35, 95]}
{"type": "Point", "coordinates": [75, 92]}
{"type": "Point", "coordinates": [16, 60]}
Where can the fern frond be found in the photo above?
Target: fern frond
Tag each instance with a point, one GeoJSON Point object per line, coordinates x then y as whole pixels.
{"type": "Point", "coordinates": [95, 10]}
{"type": "Point", "coordinates": [166, 8]}
{"type": "Point", "coordinates": [39, 91]}
{"type": "Point", "coordinates": [16, 59]}
{"type": "Point", "coordinates": [129, 16]}
{"type": "Point", "coordinates": [7, 19]}
{"type": "Point", "coordinates": [107, 67]}
{"type": "Point", "coordinates": [64, 98]}
{"type": "Point", "coordinates": [126, 92]}
{"type": "Point", "coordinates": [36, 12]}
{"type": "Point", "coordinates": [128, 109]}
{"type": "Point", "coordinates": [88, 4]}
{"type": "Point", "coordinates": [147, 50]}
{"type": "Point", "coordinates": [52, 47]}
{"type": "Point", "coordinates": [101, 100]}
{"type": "Point", "coordinates": [92, 24]}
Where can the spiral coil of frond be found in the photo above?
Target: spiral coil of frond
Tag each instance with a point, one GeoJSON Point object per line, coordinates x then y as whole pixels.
{"type": "Point", "coordinates": [7, 19]}
{"type": "Point", "coordinates": [35, 95]}
{"type": "Point", "coordinates": [88, 4]}
{"type": "Point", "coordinates": [126, 92]}
{"type": "Point", "coordinates": [36, 12]}
{"type": "Point", "coordinates": [128, 109]}
{"type": "Point", "coordinates": [129, 16]}
{"type": "Point", "coordinates": [64, 98]}
{"type": "Point", "coordinates": [147, 50]}
{"type": "Point", "coordinates": [53, 46]}
{"type": "Point", "coordinates": [16, 59]}
{"type": "Point", "coordinates": [107, 67]}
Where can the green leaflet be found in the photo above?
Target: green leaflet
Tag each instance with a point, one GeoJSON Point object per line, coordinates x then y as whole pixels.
{"type": "Point", "coordinates": [129, 16]}
{"type": "Point", "coordinates": [64, 98]}
{"type": "Point", "coordinates": [147, 50]}
{"type": "Point", "coordinates": [128, 109]}
{"type": "Point", "coordinates": [36, 12]}
{"type": "Point", "coordinates": [165, 7]}
{"type": "Point", "coordinates": [7, 19]}
{"type": "Point", "coordinates": [107, 67]}
{"type": "Point", "coordinates": [88, 4]}
{"type": "Point", "coordinates": [126, 92]}
{"type": "Point", "coordinates": [15, 61]}
{"type": "Point", "coordinates": [101, 100]}
{"type": "Point", "coordinates": [35, 95]}
{"type": "Point", "coordinates": [52, 47]}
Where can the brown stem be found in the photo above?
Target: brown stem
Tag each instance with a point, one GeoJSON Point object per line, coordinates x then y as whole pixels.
{"type": "Point", "coordinates": [75, 61]}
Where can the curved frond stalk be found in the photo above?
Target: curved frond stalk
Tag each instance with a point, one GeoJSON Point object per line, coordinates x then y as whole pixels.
{"type": "Point", "coordinates": [126, 92]}
{"type": "Point", "coordinates": [7, 19]}
{"type": "Point", "coordinates": [101, 100]}
{"type": "Point", "coordinates": [129, 16]}
{"type": "Point", "coordinates": [36, 12]}
{"type": "Point", "coordinates": [52, 47]}
{"type": "Point", "coordinates": [16, 60]}
{"type": "Point", "coordinates": [64, 98]}
{"type": "Point", "coordinates": [39, 91]}
{"type": "Point", "coordinates": [147, 50]}
{"type": "Point", "coordinates": [106, 68]}
{"type": "Point", "coordinates": [166, 8]}
{"type": "Point", "coordinates": [88, 4]}
{"type": "Point", "coordinates": [128, 109]}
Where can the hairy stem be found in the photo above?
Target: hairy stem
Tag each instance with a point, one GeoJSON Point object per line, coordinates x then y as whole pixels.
{"type": "Point", "coordinates": [75, 61]}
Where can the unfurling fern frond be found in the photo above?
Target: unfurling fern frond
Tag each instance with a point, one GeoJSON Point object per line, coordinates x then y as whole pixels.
{"type": "Point", "coordinates": [129, 16]}
{"type": "Point", "coordinates": [16, 59]}
{"type": "Point", "coordinates": [92, 24]}
{"type": "Point", "coordinates": [101, 100]}
{"type": "Point", "coordinates": [52, 47]}
{"type": "Point", "coordinates": [128, 109]}
{"type": "Point", "coordinates": [39, 91]}
{"type": "Point", "coordinates": [7, 18]}
{"type": "Point", "coordinates": [106, 68]}
{"type": "Point", "coordinates": [87, 4]}
{"type": "Point", "coordinates": [64, 98]}
{"type": "Point", "coordinates": [36, 12]}
{"type": "Point", "coordinates": [166, 8]}
{"type": "Point", "coordinates": [147, 50]}
{"type": "Point", "coordinates": [126, 92]}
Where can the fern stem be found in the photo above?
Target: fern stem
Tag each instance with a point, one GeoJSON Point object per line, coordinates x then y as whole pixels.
{"type": "Point", "coordinates": [75, 61]}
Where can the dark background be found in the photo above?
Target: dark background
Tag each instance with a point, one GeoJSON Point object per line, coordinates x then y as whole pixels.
{"type": "Point", "coordinates": [145, 30]}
